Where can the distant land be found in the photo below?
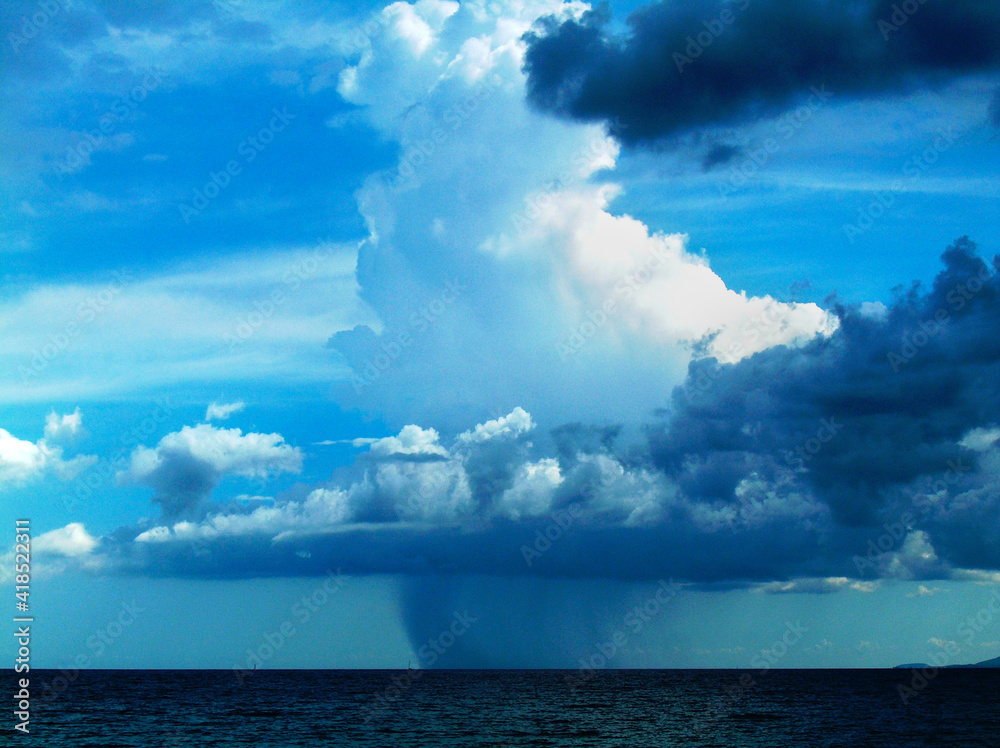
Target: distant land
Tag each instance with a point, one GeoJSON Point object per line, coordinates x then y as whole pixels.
{"type": "Point", "coordinates": [995, 662]}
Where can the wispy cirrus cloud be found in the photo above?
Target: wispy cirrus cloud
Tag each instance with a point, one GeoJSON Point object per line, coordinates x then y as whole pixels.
{"type": "Point", "coordinates": [266, 314]}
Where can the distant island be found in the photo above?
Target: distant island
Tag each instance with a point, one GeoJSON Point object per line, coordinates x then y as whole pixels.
{"type": "Point", "coordinates": [995, 662]}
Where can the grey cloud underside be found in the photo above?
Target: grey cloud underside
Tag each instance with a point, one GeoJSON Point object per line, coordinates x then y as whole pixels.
{"type": "Point", "coordinates": [765, 60]}
{"type": "Point", "coordinates": [578, 553]}
{"type": "Point", "coordinates": [786, 464]}
{"type": "Point", "coordinates": [902, 409]}
{"type": "Point", "coordinates": [183, 484]}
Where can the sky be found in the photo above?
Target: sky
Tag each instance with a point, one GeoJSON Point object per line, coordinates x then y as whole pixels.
{"type": "Point", "coordinates": [640, 332]}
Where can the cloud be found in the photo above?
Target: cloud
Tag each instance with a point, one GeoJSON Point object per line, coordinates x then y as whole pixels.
{"type": "Point", "coordinates": [45, 37]}
{"type": "Point", "coordinates": [533, 490]}
{"type": "Point", "coordinates": [866, 587]}
{"type": "Point", "coordinates": [530, 272]}
{"type": "Point", "coordinates": [874, 408]}
{"type": "Point", "coordinates": [61, 427]}
{"type": "Point", "coordinates": [877, 421]}
{"type": "Point", "coordinates": [71, 541]}
{"type": "Point", "coordinates": [811, 586]}
{"type": "Point", "coordinates": [980, 439]}
{"type": "Point", "coordinates": [412, 440]}
{"type": "Point", "coordinates": [418, 504]}
{"type": "Point", "coordinates": [359, 442]}
{"type": "Point", "coordinates": [790, 462]}
{"type": "Point", "coordinates": [261, 315]}
{"type": "Point", "coordinates": [924, 591]}
{"type": "Point", "coordinates": [186, 465]}
{"type": "Point", "coordinates": [22, 461]}
{"type": "Point", "coordinates": [913, 560]}
{"type": "Point", "coordinates": [412, 478]}
{"type": "Point", "coordinates": [516, 423]}
{"type": "Point", "coordinates": [948, 644]}
{"type": "Point", "coordinates": [222, 411]}
{"type": "Point", "coordinates": [19, 459]}
{"type": "Point", "coordinates": [980, 576]}
{"type": "Point", "coordinates": [659, 287]}
{"type": "Point", "coordinates": [69, 548]}
{"type": "Point", "coordinates": [321, 509]}
{"type": "Point", "coordinates": [718, 155]}
{"type": "Point", "coordinates": [417, 24]}
{"type": "Point", "coordinates": [696, 65]}
{"type": "Point", "coordinates": [791, 435]}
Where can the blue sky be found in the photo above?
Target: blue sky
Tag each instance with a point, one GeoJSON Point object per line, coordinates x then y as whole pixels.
{"type": "Point", "coordinates": [397, 290]}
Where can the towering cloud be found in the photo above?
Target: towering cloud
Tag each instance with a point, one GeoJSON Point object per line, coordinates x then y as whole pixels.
{"type": "Point", "coordinates": [798, 459]}
{"type": "Point", "coordinates": [526, 331]}
{"type": "Point", "coordinates": [871, 454]}
{"type": "Point", "coordinates": [509, 258]}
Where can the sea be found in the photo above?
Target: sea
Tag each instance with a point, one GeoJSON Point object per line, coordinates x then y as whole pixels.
{"type": "Point", "coordinates": [602, 708]}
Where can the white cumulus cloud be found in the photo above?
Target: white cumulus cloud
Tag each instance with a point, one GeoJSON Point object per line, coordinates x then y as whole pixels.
{"type": "Point", "coordinates": [251, 455]}
{"type": "Point", "coordinates": [222, 411]}
{"type": "Point", "coordinates": [186, 465]}
{"type": "Point", "coordinates": [71, 540]}
{"type": "Point", "coordinates": [412, 440]}
{"type": "Point", "coordinates": [61, 427]}
{"type": "Point", "coordinates": [22, 460]}
{"type": "Point", "coordinates": [571, 299]}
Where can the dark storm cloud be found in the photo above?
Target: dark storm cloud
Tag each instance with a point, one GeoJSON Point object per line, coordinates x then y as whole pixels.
{"type": "Point", "coordinates": [718, 155]}
{"type": "Point", "coordinates": [787, 465]}
{"type": "Point", "coordinates": [182, 484]}
{"type": "Point", "coordinates": [578, 552]}
{"type": "Point", "coordinates": [865, 415]}
{"type": "Point", "coordinates": [573, 438]}
{"type": "Point", "coordinates": [491, 470]}
{"type": "Point", "coordinates": [685, 65]}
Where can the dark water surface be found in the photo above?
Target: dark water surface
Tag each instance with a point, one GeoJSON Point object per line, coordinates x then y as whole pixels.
{"type": "Point", "coordinates": [512, 708]}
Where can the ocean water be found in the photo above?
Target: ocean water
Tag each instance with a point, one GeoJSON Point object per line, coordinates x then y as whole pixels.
{"type": "Point", "coordinates": [850, 708]}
